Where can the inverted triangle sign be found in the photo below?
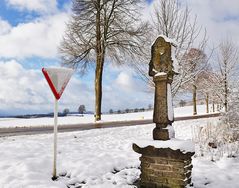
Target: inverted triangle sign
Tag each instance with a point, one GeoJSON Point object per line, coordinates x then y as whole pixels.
{"type": "Point", "coordinates": [57, 79]}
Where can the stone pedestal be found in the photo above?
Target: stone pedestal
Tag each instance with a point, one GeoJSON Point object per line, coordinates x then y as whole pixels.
{"type": "Point", "coordinates": [160, 133]}
{"type": "Point", "coordinates": [164, 167]}
{"type": "Point", "coordinates": [161, 114]}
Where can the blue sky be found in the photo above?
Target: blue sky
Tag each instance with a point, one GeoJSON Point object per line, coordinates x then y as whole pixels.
{"type": "Point", "coordinates": [30, 32]}
{"type": "Point", "coordinates": [14, 13]}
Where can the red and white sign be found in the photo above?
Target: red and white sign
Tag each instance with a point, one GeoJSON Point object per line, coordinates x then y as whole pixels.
{"type": "Point", "coordinates": [57, 79]}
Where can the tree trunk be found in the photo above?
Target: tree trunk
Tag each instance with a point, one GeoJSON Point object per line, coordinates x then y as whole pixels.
{"type": "Point", "coordinates": [218, 107]}
{"type": "Point", "coordinates": [226, 92]}
{"type": "Point", "coordinates": [194, 99]}
{"type": "Point", "coordinates": [213, 106]}
{"type": "Point", "coordinates": [98, 90]}
{"type": "Point", "coordinates": [207, 103]}
{"type": "Point", "coordinates": [99, 66]}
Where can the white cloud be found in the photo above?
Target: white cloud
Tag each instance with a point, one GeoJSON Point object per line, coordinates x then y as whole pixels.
{"type": "Point", "coordinates": [38, 38]}
{"type": "Point", "coordinates": [220, 18]}
{"type": "Point", "coordinates": [20, 88]}
{"type": "Point", "coordinates": [5, 27]}
{"type": "Point", "coordinates": [41, 6]}
{"type": "Point", "coordinates": [26, 91]}
{"type": "Point", "coordinates": [125, 81]}
{"type": "Point", "coordinates": [221, 8]}
{"type": "Point", "coordinates": [126, 92]}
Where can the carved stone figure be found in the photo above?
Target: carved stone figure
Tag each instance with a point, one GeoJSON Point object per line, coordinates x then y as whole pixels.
{"type": "Point", "coordinates": [161, 60]}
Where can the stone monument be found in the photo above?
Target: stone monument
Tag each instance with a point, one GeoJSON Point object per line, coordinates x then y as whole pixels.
{"type": "Point", "coordinates": [165, 161]}
{"type": "Point", "coordinates": [161, 69]}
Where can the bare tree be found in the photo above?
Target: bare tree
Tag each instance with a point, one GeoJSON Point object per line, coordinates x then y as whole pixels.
{"type": "Point", "coordinates": [111, 111]}
{"type": "Point", "coordinates": [207, 85]}
{"type": "Point", "coordinates": [219, 82]}
{"type": "Point", "coordinates": [101, 30]}
{"type": "Point", "coordinates": [210, 85]}
{"type": "Point", "coordinates": [81, 109]}
{"type": "Point", "coordinates": [173, 20]}
{"type": "Point", "coordinates": [195, 62]}
{"type": "Point", "coordinates": [182, 103]}
{"type": "Point", "coordinates": [227, 57]}
{"type": "Point", "coordinates": [66, 111]}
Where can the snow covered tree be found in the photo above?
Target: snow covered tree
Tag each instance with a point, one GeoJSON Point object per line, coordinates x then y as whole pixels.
{"type": "Point", "coordinates": [99, 31]}
{"type": "Point", "coordinates": [222, 138]}
{"type": "Point", "coordinates": [195, 62]}
{"type": "Point", "coordinates": [208, 87]}
{"type": "Point", "coordinates": [227, 58]}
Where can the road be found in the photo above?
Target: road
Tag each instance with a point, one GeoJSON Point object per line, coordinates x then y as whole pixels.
{"type": "Point", "coordinates": [87, 126]}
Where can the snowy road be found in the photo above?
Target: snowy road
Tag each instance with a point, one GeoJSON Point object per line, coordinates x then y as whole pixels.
{"type": "Point", "coordinates": [86, 126]}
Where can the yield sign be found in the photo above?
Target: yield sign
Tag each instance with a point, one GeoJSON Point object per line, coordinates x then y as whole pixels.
{"type": "Point", "coordinates": [57, 79]}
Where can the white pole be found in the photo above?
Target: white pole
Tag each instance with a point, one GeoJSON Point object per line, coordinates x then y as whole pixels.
{"type": "Point", "coordinates": [55, 138]}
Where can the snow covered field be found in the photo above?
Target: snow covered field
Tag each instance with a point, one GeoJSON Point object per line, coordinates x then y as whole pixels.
{"type": "Point", "coordinates": [101, 158]}
{"type": "Point", "coordinates": [179, 112]}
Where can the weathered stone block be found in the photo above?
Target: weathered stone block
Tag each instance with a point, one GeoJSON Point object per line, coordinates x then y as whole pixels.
{"type": "Point", "coordinates": [145, 165]}
{"type": "Point", "coordinates": [164, 167]}
{"type": "Point", "coordinates": [162, 153]}
{"type": "Point", "coordinates": [188, 167]}
{"type": "Point", "coordinates": [147, 159]}
{"type": "Point", "coordinates": [173, 175]}
{"type": "Point", "coordinates": [162, 125]}
{"type": "Point", "coordinates": [161, 160]}
{"type": "Point", "coordinates": [161, 167]}
{"type": "Point", "coordinates": [176, 164]}
{"type": "Point", "coordinates": [160, 134]}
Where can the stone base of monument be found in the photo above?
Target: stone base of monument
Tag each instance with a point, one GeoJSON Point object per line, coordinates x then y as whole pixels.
{"type": "Point", "coordinates": [163, 133]}
{"type": "Point", "coordinates": [165, 164]}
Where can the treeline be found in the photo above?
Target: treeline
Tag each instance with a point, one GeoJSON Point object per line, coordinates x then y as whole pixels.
{"type": "Point", "coordinates": [130, 110]}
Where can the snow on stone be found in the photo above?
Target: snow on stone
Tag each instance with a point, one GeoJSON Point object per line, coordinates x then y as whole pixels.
{"type": "Point", "coordinates": [155, 71]}
{"type": "Point", "coordinates": [160, 74]}
{"type": "Point", "coordinates": [175, 144]}
{"type": "Point", "coordinates": [175, 61]}
{"type": "Point", "coordinates": [171, 131]}
{"type": "Point", "coordinates": [167, 39]}
{"type": "Point", "coordinates": [173, 52]}
{"type": "Point", "coordinates": [170, 102]}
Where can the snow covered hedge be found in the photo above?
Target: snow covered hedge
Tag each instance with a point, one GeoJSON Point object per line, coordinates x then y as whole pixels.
{"type": "Point", "coordinates": [219, 139]}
